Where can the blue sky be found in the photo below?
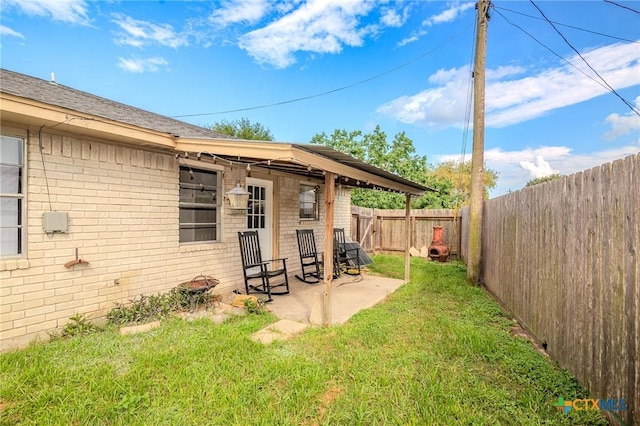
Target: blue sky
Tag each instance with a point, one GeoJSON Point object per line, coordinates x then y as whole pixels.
{"type": "Point", "coordinates": [403, 65]}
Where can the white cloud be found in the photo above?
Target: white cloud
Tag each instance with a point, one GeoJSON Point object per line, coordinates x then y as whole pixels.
{"type": "Point", "coordinates": [412, 38]}
{"type": "Point", "coordinates": [513, 175]}
{"type": "Point", "coordinates": [539, 168]}
{"type": "Point", "coordinates": [454, 11]}
{"type": "Point", "coordinates": [504, 71]}
{"type": "Point", "coordinates": [623, 124]}
{"type": "Point", "coordinates": [138, 65]}
{"type": "Point", "coordinates": [392, 18]}
{"type": "Point", "coordinates": [240, 11]}
{"type": "Point", "coordinates": [448, 15]}
{"type": "Point", "coordinates": [442, 106]}
{"type": "Point", "coordinates": [139, 33]}
{"type": "Point", "coordinates": [8, 32]}
{"type": "Point", "coordinates": [71, 11]}
{"type": "Point", "coordinates": [317, 26]}
{"type": "Point", "coordinates": [512, 98]}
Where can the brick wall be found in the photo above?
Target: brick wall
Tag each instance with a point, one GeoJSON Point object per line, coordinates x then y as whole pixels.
{"type": "Point", "coordinates": [342, 215]}
{"type": "Point", "coordinates": [123, 219]}
{"type": "Point", "coordinates": [289, 220]}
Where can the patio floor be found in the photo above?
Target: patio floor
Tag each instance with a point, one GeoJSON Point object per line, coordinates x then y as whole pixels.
{"type": "Point", "coordinates": [349, 295]}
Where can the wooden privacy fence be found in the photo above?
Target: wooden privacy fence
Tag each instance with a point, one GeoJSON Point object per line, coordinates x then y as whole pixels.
{"type": "Point", "coordinates": [563, 258]}
{"type": "Point", "coordinates": [384, 230]}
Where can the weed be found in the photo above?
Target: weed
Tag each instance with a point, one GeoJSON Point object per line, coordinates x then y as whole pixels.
{"type": "Point", "coordinates": [78, 325]}
{"type": "Point", "coordinates": [130, 403]}
{"type": "Point", "coordinates": [255, 308]}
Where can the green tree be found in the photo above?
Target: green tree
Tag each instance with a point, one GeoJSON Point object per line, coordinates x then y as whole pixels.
{"type": "Point", "coordinates": [543, 179]}
{"type": "Point", "coordinates": [242, 128]}
{"type": "Point", "coordinates": [398, 157]}
{"type": "Point", "coordinates": [459, 174]}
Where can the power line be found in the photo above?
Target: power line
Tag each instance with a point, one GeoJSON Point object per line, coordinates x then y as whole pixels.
{"type": "Point", "coordinates": [606, 87]}
{"type": "Point", "coordinates": [569, 26]}
{"type": "Point", "coordinates": [549, 49]}
{"type": "Point", "coordinates": [622, 6]}
{"type": "Point", "coordinates": [328, 92]}
{"type": "Point", "coordinates": [585, 61]}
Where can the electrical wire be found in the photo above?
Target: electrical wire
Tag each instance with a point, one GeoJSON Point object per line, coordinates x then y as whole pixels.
{"type": "Point", "coordinates": [622, 6]}
{"type": "Point", "coordinates": [328, 92]}
{"type": "Point", "coordinates": [467, 114]}
{"type": "Point", "coordinates": [568, 26]}
{"type": "Point", "coordinates": [465, 136]}
{"type": "Point", "coordinates": [562, 58]}
{"type": "Point", "coordinates": [611, 89]}
{"type": "Point", "coordinates": [44, 167]}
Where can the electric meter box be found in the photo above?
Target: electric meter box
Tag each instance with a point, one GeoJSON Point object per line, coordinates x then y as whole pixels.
{"type": "Point", "coordinates": [55, 222]}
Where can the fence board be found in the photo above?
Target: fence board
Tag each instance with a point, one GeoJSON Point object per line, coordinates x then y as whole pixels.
{"type": "Point", "coordinates": [386, 228]}
{"type": "Point", "coordinates": [563, 257]}
{"type": "Point", "coordinates": [633, 296]}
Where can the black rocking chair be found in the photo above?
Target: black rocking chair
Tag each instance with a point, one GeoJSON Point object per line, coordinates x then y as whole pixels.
{"type": "Point", "coordinates": [255, 269]}
{"type": "Point", "coordinates": [345, 259]}
{"type": "Point", "coordinates": [311, 266]}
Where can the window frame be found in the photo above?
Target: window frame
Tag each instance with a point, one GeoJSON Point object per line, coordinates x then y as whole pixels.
{"type": "Point", "coordinates": [20, 196]}
{"type": "Point", "coordinates": [204, 167]}
{"type": "Point", "coordinates": [316, 205]}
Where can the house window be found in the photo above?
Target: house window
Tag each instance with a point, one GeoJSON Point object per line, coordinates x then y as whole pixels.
{"type": "Point", "coordinates": [308, 197]}
{"type": "Point", "coordinates": [12, 214]}
{"type": "Point", "coordinates": [199, 209]}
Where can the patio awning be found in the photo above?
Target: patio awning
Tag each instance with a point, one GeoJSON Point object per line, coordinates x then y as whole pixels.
{"type": "Point", "coordinates": [305, 160]}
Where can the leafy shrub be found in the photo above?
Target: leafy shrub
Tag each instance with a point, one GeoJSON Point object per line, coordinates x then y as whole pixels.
{"type": "Point", "coordinates": [143, 308]}
{"type": "Point", "coordinates": [79, 325]}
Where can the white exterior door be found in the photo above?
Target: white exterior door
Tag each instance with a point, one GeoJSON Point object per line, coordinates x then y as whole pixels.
{"type": "Point", "coordinates": [259, 212]}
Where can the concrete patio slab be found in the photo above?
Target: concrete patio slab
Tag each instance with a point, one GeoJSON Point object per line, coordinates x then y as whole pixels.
{"type": "Point", "coordinates": [349, 295]}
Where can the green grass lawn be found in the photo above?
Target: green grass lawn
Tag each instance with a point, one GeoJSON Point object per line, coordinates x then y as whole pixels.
{"type": "Point", "coordinates": [438, 351]}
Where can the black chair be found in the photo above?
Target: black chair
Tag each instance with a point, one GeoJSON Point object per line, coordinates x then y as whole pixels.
{"type": "Point", "coordinates": [345, 259]}
{"type": "Point", "coordinates": [309, 257]}
{"type": "Point", "coordinates": [261, 271]}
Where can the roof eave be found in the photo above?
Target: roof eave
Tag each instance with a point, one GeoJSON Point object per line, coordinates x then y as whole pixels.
{"type": "Point", "coordinates": [293, 153]}
{"type": "Point", "coordinates": [22, 110]}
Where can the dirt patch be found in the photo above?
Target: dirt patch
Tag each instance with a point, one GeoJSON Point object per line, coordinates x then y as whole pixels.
{"type": "Point", "coordinates": [518, 331]}
{"type": "Point", "coordinates": [326, 399]}
{"type": "Point", "coordinates": [12, 418]}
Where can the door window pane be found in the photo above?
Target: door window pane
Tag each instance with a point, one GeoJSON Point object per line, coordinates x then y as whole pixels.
{"type": "Point", "coordinates": [256, 211]}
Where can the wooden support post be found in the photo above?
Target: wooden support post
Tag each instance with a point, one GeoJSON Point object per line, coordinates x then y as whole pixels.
{"type": "Point", "coordinates": [407, 244]}
{"type": "Point", "coordinates": [329, 203]}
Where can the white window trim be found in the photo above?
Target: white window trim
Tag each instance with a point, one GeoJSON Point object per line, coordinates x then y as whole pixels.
{"type": "Point", "coordinates": [18, 134]}
{"type": "Point", "coordinates": [317, 202]}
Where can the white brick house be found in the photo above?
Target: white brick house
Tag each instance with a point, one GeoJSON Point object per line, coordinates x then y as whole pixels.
{"type": "Point", "coordinates": [123, 185]}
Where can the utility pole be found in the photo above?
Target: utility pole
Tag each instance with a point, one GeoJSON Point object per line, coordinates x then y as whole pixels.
{"type": "Point", "coordinates": [477, 156]}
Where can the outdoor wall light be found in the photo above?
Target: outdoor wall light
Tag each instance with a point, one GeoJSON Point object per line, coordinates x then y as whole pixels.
{"type": "Point", "coordinates": [238, 198]}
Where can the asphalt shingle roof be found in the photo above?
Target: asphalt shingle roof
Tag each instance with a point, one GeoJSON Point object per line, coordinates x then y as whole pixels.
{"type": "Point", "coordinates": [76, 100]}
